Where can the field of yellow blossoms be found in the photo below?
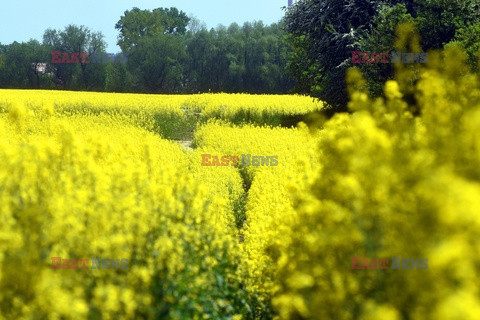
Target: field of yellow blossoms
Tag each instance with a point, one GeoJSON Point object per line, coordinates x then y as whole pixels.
{"type": "Point", "coordinates": [105, 215]}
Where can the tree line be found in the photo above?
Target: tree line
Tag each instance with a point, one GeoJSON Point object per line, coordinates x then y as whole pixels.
{"type": "Point", "coordinates": [307, 52]}
{"type": "Point", "coordinates": [168, 52]}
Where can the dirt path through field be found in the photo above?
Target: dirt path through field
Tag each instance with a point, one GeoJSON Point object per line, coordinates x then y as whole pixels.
{"type": "Point", "coordinates": [186, 144]}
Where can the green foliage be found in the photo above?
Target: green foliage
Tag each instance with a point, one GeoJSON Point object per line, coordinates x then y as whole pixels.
{"type": "Point", "coordinates": [441, 19]}
{"type": "Point", "coordinates": [251, 58]}
{"type": "Point", "coordinates": [300, 66]}
{"type": "Point", "coordinates": [323, 34]}
{"type": "Point", "coordinates": [157, 63]}
{"type": "Point", "coordinates": [469, 39]}
{"type": "Point", "coordinates": [380, 39]}
{"type": "Point", "coordinates": [136, 24]}
{"type": "Point", "coordinates": [19, 63]}
{"type": "Point", "coordinates": [118, 78]}
{"type": "Point", "coordinates": [76, 75]}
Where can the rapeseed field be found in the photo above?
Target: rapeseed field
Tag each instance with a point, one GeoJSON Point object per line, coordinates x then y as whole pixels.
{"type": "Point", "coordinates": [103, 215]}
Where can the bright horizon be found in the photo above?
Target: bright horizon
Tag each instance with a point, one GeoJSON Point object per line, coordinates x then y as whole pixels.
{"type": "Point", "coordinates": [22, 20]}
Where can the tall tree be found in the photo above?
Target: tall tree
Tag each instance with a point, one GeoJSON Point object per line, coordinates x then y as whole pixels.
{"type": "Point", "coordinates": [157, 64]}
{"type": "Point", "coordinates": [137, 24]}
{"type": "Point", "coordinates": [20, 64]}
{"type": "Point", "coordinates": [324, 32]}
{"type": "Point", "coordinates": [155, 44]}
{"type": "Point", "coordinates": [118, 78]}
{"type": "Point", "coordinates": [76, 39]}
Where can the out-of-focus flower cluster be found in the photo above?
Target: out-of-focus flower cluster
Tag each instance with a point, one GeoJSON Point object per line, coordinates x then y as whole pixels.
{"type": "Point", "coordinates": [391, 184]}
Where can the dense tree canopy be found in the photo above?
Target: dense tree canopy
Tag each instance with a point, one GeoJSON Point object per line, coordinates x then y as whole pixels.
{"type": "Point", "coordinates": [77, 39]}
{"type": "Point", "coordinates": [137, 24]}
{"type": "Point", "coordinates": [19, 64]}
{"type": "Point", "coordinates": [251, 58]}
{"type": "Point", "coordinates": [323, 33]}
